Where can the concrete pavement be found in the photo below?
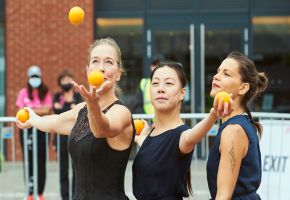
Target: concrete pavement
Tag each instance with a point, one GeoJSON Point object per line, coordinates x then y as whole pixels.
{"type": "Point", "coordinates": [12, 183]}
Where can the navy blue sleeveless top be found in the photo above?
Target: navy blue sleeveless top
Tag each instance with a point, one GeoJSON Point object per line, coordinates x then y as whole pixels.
{"type": "Point", "coordinates": [249, 177]}
{"type": "Point", "coordinates": [160, 170]}
{"type": "Point", "coordinates": [99, 169]}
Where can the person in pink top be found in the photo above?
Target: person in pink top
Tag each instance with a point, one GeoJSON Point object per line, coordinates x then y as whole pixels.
{"type": "Point", "coordinates": [35, 95]}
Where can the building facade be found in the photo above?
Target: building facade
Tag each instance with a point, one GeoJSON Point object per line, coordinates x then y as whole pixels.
{"type": "Point", "coordinates": [197, 33]}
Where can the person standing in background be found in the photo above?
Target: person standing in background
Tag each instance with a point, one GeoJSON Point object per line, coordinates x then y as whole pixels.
{"type": "Point", "coordinates": [63, 101]}
{"type": "Point", "coordinates": [35, 95]}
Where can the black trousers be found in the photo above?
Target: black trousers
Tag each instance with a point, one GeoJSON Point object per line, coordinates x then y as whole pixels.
{"type": "Point", "coordinates": [64, 168]}
{"type": "Point", "coordinates": [41, 157]}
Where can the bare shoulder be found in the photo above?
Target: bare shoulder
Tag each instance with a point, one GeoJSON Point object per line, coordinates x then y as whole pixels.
{"type": "Point", "coordinates": [121, 119]}
{"type": "Point", "coordinates": [233, 130]}
{"type": "Point", "coordinates": [119, 111]}
{"type": "Point", "coordinates": [77, 108]}
{"type": "Point", "coordinates": [234, 133]}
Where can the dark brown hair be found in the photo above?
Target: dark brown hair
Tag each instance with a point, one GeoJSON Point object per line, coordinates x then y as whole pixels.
{"type": "Point", "coordinates": [258, 82]}
{"type": "Point", "coordinates": [182, 78]}
{"type": "Point", "coordinates": [64, 73]}
{"type": "Point", "coordinates": [176, 67]}
{"type": "Point", "coordinates": [42, 91]}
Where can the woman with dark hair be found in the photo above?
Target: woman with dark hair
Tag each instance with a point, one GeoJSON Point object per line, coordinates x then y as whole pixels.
{"type": "Point", "coordinates": [161, 169]}
{"type": "Point", "coordinates": [63, 101]}
{"type": "Point", "coordinates": [36, 96]}
{"type": "Point", "coordinates": [234, 163]}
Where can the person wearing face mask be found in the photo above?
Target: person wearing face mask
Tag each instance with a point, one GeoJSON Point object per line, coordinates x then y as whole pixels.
{"type": "Point", "coordinates": [63, 101]}
{"type": "Point", "coordinates": [35, 95]}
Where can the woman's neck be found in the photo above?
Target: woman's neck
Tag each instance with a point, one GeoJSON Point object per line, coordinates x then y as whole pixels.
{"type": "Point", "coordinates": [238, 110]}
{"type": "Point", "coordinates": [107, 99]}
{"type": "Point", "coordinates": [167, 120]}
{"type": "Point", "coordinates": [68, 96]}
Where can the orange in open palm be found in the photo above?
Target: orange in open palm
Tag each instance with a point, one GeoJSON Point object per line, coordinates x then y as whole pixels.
{"type": "Point", "coordinates": [22, 115]}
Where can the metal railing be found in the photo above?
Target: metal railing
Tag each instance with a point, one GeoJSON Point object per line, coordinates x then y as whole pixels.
{"type": "Point", "coordinates": [8, 133]}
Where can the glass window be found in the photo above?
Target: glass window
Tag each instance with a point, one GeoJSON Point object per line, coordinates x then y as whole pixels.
{"type": "Point", "coordinates": [271, 53]}
{"type": "Point", "coordinates": [128, 34]}
{"type": "Point", "coordinates": [218, 44]}
{"type": "Point", "coordinates": [174, 45]}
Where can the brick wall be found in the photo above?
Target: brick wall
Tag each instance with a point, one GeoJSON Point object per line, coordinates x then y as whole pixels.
{"type": "Point", "coordinates": [38, 33]}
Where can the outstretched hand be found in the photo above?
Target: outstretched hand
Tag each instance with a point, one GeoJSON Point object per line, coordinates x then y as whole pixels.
{"type": "Point", "coordinates": [27, 124]}
{"type": "Point", "coordinates": [221, 108]}
{"type": "Point", "coordinates": [92, 95]}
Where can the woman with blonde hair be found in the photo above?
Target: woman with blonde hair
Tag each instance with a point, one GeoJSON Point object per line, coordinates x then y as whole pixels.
{"type": "Point", "coordinates": [100, 129]}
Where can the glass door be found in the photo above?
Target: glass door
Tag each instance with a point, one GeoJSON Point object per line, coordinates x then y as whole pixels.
{"type": "Point", "coordinates": [174, 46]}
{"type": "Point", "coordinates": [200, 49]}
{"type": "Point", "coordinates": [128, 33]}
{"type": "Point", "coordinates": [209, 46]}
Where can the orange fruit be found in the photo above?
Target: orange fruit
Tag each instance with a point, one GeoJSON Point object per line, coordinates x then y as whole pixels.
{"type": "Point", "coordinates": [22, 115]}
{"type": "Point", "coordinates": [223, 96]}
{"type": "Point", "coordinates": [96, 78]}
{"type": "Point", "coordinates": [139, 125]}
{"type": "Point", "coordinates": [76, 15]}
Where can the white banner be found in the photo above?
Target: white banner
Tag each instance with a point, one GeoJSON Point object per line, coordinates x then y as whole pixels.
{"type": "Point", "coordinates": [275, 152]}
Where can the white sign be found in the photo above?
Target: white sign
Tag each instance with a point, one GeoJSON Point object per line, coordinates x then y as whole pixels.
{"type": "Point", "coordinates": [275, 152]}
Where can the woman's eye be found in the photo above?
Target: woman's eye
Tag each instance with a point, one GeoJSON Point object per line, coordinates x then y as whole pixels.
{"type": "Point", "coordinates": [154, 83]}
{"type": "Point", "coordinates": [168, 83]}
{"type": "Point", "coordinates": [110, 62]}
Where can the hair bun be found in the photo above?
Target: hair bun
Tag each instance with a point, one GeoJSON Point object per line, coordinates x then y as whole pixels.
{"type": "Point", "coordinates": [262, 82]}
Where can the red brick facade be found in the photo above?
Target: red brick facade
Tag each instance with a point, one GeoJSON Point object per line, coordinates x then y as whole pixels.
{"type": "Point", "coordinates": [38, 33]}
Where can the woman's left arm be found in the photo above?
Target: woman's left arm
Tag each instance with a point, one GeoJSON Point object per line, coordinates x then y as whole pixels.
{"type": "Point", "coordinates": [108, 125]}
{"type": "Point", "coordinates": [233, 147]}
{"type": "Point", "coordinates": [111, 124]}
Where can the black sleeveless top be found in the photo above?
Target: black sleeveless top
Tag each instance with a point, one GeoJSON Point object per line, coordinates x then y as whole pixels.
{"type": "Point", "coordinates": [160, 169]}
{"type": "Point", "coordinates": [99, 169]}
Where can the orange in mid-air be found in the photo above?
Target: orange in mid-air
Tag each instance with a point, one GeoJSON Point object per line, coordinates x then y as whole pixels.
{"type": "Point", "coordinates": [139, 125]}
{"type": "Point", "coordinates": [22, 115]}
{"type": "Point", "coordinates": [76, 15]}
{"type": "Point", "coordinates": [96, 78]}
{"type": "Point", "coordinates": [223, 96]}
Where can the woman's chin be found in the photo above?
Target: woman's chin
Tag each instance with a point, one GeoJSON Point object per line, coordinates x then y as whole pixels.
{"type": "Point", "coordinates": [212, 93]}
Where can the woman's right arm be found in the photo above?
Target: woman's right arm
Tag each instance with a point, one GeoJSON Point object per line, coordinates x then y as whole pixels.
{"type": "Point", "coordinates": [61, 123]}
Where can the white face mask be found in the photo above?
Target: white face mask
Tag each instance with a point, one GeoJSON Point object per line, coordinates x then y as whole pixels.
{"type": "Point", "coordinates": [34, 82]}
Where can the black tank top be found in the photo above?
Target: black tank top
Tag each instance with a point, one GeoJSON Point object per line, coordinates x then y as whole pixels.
{"type": "Point", "coordinates": [99, 169]}
{"type": "Point", "coordinates": [160, 169]}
